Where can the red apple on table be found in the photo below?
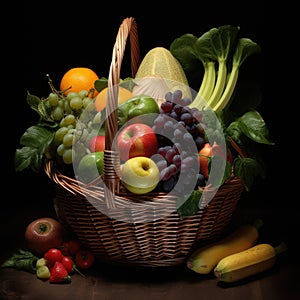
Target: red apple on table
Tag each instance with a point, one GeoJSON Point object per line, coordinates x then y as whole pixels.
{"type": "Point", "coordinates": [43, 234]}
{"type": "Point", "coordinates": [97, 143]}
{"type": "Point", "coordinates": [137, 139]}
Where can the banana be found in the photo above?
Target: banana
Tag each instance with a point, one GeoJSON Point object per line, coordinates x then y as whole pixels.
{"type": "Point", "coordinates": [204, 259]}
{"type": "Point", "coordinates": [246, 263]}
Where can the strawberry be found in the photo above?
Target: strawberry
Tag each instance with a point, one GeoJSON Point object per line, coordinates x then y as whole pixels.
{"type": "Point", "coordinates": [59, 274]}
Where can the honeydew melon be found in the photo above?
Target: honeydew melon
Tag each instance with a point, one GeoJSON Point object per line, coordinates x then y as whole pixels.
{"type": "Point", "coordinates": [159, 73]}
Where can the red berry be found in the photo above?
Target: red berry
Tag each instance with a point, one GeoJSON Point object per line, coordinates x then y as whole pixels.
{"type": "Point", "coordinates": [59, 273]}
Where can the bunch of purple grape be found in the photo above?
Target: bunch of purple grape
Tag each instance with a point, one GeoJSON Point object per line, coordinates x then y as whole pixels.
{"type": "Point", "coordinates": [181, 135]}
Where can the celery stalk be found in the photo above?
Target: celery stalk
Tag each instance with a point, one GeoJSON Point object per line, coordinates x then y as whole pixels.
{"type": "Point", "coordinates": [207, 87]}
{"type": "Point", "coordinates": [204, 79]}
{"type": "Point", "coordinates": [244, 48]}
{"type": "Point", "coordinates": [226, 96]}
{"type": "Point", "coordinates": [220, 84]}
{"type": "Point", "coordinates": [210, 83]}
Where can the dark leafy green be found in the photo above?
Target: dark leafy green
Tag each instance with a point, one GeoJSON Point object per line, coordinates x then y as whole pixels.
{"type": "Point", "coordinates": [191, 206]}
{"type": "Point", "coordinates": [35, 141]}
{"type": "Point", "coordinates": [221, 51]}
{"type": "Point", "coordinates": [21, 260]}
{"type": "Point", "coordinates": [247, 169]}
{"type": "Point", "coordinates": [37, 138]}
{"type": "Point", "coordinates": [101, 84]}
{"type": "Point", "coordinates": [219, 163]}
{"type": "Point", "coordinates": [253, 126]}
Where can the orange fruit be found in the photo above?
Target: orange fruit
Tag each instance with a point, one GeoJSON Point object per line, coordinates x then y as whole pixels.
{"type": "Point", "coordinates": [77, 79]}
{"type": "Point", "coordinates": [100, 101]}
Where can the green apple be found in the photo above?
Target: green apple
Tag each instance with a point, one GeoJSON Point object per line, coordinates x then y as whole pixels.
{"type": "Point", "coordinates": [143, 108]}
{"type": "Point", "coordinates": [140, 175]}
{"type": "Point", "coordinates": [90, 166]}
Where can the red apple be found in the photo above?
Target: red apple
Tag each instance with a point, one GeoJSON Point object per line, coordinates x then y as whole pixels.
{"type": "Point", "coordinates": [43, 234]}
{"type": "Point", "coordinates": [137, 139]}
{"type": "Point", "coordinates": [97, 143]}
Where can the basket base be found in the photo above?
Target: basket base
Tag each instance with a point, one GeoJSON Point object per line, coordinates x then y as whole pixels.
{"type": "Point", "coordinates": [163, 242]}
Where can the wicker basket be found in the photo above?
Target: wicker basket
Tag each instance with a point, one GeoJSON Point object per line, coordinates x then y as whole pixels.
{"type": "Point", "coordinates": [114, 224]}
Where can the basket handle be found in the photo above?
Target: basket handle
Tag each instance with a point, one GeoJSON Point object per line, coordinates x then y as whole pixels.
{"type": "Point", "coordinates": [111, 170]}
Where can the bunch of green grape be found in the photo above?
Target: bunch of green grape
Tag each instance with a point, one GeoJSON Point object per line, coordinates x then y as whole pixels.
{"type": "Point", "coordinates": [67, 112]}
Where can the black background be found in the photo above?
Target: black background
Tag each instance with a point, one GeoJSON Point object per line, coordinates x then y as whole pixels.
{"type": "Point", "coordinates": [52, 37]}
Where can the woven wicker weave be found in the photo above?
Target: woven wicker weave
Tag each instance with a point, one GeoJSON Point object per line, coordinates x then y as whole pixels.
{"type": "Point", "coordinates": [120, 227]}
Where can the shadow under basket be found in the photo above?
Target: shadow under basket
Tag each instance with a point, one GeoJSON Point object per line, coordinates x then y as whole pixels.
{"type": "Point", "coordinates": [123, 228]}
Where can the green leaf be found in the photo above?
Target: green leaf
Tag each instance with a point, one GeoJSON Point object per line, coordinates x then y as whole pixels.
{"type": "Point", "coordinates": [35, 141]}
{"type": "Point", "coordinates": [244, 48]}
{"type": "Point", "coordinates": [219, 163]}
{"type": "Point", "coordinates": [127, 83]}
{"type": "Point", "coordinates": [191, 206]}
{"type": "Point", "coordinates": [27, 157]}
{"type": "Point", "coordinates": [37, 137]}
{"type": "Point", "coordinates": [33, 101]}
{"type": "Point", "coordinates": [246, 169]}
{"type": "Point", "coordinates": [253, 126]}
{"type": "Point", "coordinates": [101, 84]}
{"type": "Point", "coordinates": [223, 40]}
{"type": "Point", "coordinates": [21, 260]}
{"type": "Point", "coordinates": [183, 50]}
{"type": "Point", "coordinates": [41, 108]}
{"type": "Point", "coordinates": [235, 132]}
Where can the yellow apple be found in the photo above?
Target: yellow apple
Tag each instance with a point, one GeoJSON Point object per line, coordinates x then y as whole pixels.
{"type": "Point", "coordinates": [140, 175]}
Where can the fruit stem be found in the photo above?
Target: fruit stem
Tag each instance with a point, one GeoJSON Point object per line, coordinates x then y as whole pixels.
{"type": "Point", "coordinates": [258, 223]}
{"type": "Point", "coordinates": [75, 269]}
{"type": "Point", "coordinates": [53, 89]}
{"type": "Point", "coordinates": [282, 247]}
{"type": "Point", "coordinates": [43, 228]}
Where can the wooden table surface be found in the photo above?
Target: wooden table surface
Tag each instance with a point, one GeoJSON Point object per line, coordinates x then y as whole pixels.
{"type": "Point", "coordinates": [105, 281]}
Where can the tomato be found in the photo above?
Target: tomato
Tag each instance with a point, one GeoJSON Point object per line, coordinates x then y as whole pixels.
{"type": "Point", "coordinates": [70, 248]}
{"type": "Point", "coordinates": [43, 234]}
{"type": "Point", "coordinates": [52, 256]}
{"type": "Point", "coordinates": [84, 259]}
{"type": "Point", "coordinates": [68, 262]}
